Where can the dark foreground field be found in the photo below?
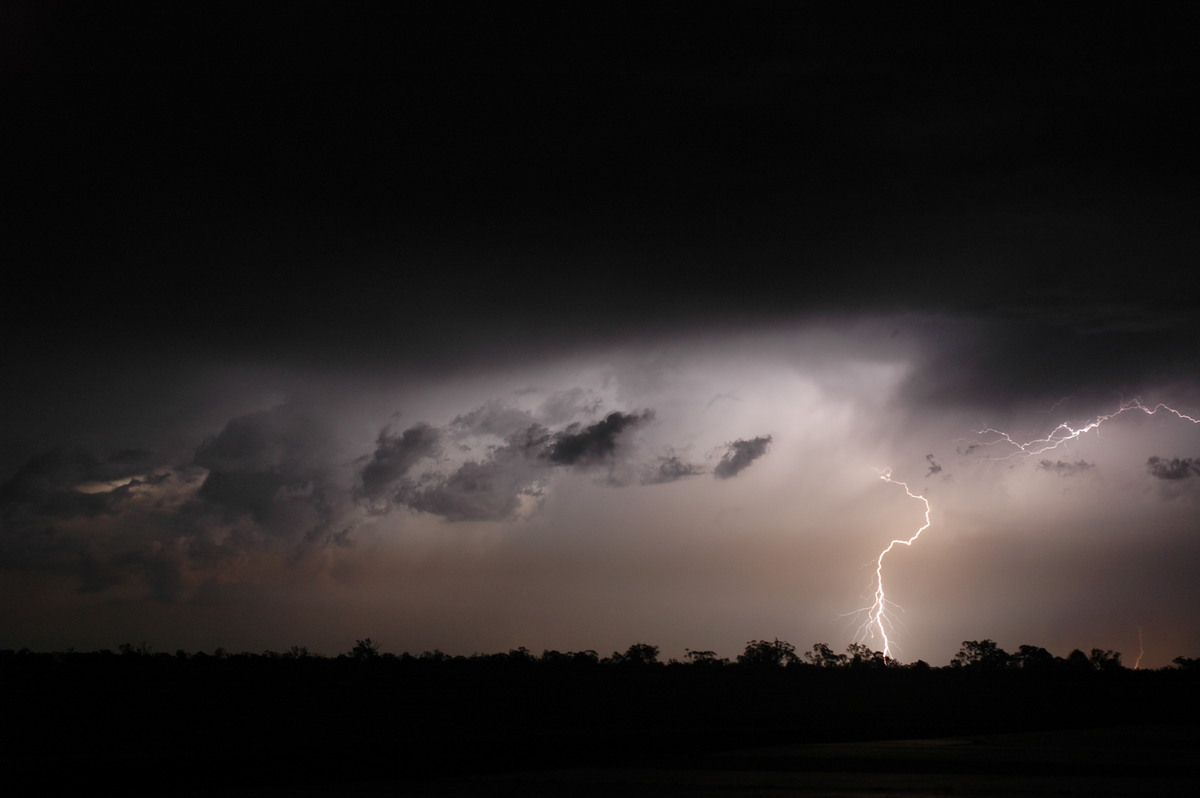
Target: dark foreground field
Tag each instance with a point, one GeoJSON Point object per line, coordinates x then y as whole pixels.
{"type": "Point", "coordinates": [317, 727]}
{"type": "Point", "coordinates": [1109, 761]}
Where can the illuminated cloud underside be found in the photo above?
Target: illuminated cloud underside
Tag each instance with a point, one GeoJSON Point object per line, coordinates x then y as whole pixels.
{"type": "Point", "coordinates": [688, 494]}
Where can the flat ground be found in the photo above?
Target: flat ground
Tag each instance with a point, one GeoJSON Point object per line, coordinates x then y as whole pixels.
{"type": "Point", "coordinates": [1121, 761]}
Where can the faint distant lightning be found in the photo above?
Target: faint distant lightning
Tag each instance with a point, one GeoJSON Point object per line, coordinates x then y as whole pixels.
{"type": "Point", "coordinates": [1054, 406]}
{"type": "Point", "coordinates": [878, 622]}
{"type": "Point", "coordinates": [1065, 432]}
{"type": "Point", "coordinates": [1141, 650]}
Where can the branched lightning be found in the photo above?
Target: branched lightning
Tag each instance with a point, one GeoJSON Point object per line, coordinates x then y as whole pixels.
{"type": "Point", "coordinates": [1065, 432]}
{"type": "Point", "coordinates": [878, 622]}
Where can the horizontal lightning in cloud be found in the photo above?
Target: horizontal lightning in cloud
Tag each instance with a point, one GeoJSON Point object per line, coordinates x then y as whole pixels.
{"type": "Point", "coordinates": [1065, 432]}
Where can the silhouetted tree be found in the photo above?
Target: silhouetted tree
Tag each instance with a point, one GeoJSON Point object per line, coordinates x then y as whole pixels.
{"type": "Point", "coordinates": [521, 655]}
{"type": "Point", "coordinates": [1105, 660]}
{"type": "Point", "coordinates": [981, 655]}
{"type": "Point", "coordinates": [860, 655]}
{"type": "Point", "coordinates": [823, 657]}
{"type": "Point", "coordinates": [365, 649]}
{"type": "Point", "coordinates": [768, 654]}
{"type": "Point", "coordinates": [553, 657]}
{"type": "Point", "coordinates": [705, 658]}
{"type": "Point", "coordinates": [637, 654]}
{"type": "Point", "coordinates": [585, 657]}
{"type": "Point", "coordinates": [1031, 658]}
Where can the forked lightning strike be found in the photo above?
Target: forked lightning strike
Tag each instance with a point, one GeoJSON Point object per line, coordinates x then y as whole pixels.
{"type": "Point", "coordinates": [878, 621]}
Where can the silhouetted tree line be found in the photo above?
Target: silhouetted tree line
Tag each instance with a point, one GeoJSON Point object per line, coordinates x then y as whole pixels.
{"type": "Point", "coordinates": [974, 655]}
{"type": "Point", "coordinates": [368, 713]}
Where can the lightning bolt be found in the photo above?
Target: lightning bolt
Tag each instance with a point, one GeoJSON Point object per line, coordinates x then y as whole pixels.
{"type": "Point", "coordinates": [878, 621]}
{"type": "Point", "coordinates": [1065, 432]}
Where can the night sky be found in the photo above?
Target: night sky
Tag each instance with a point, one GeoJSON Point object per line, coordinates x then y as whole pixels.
{"type": "Point", "coordinates": [472, 326]}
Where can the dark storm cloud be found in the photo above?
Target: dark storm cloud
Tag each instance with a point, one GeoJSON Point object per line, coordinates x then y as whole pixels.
{"type": "Point", "coordinates": [38, 547]}
{"type": "Point", "coordinates": [160, 572]}
{"type": "Point", "coordinates": [561, 406]}
{"type": "Point", "coordinates": [1065, 469]}
{"type": "Point", "coordinates": [672, 469]}
{"type": "Point", "coordinates": [493, 417]}
{"type": "Point", "coordinates": [1174, 468]}
{"type": "Point", "coordinates": [530, 442]}
{"type": "Point", "coordinates": [958, 184]}
{"type": "Point", "coordinates": [749, 134]}
{"type": "Point", "coordinates": [96, 574]}
{"type": "Point", "coordinates": [273, 466]}
{"type": "Point", "coordinates": [1002, 356]}
{"type": "Point", "coordinates": [475, 490]}
{"type": "Point", "coordinates": [53, 496]}
{"type": "Point", "coordinates": [488, 490]}
{"type": "Point", "coordinates": [934, 468]}
{"type": "Point", "coordinates": [55, 483]}
{"type": "Point", "coordinates": [394, 456]}
{"type": "Point", "coordinates": [593, 444]}
{"type": "Point", "coordinates": [264, 482]}
{"type": "Point", "coordinates": [284, 439]}
{"type": "Point", "coordinates": [492, 488]}
{"type": "Point", "coordinates": [740, 454]}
